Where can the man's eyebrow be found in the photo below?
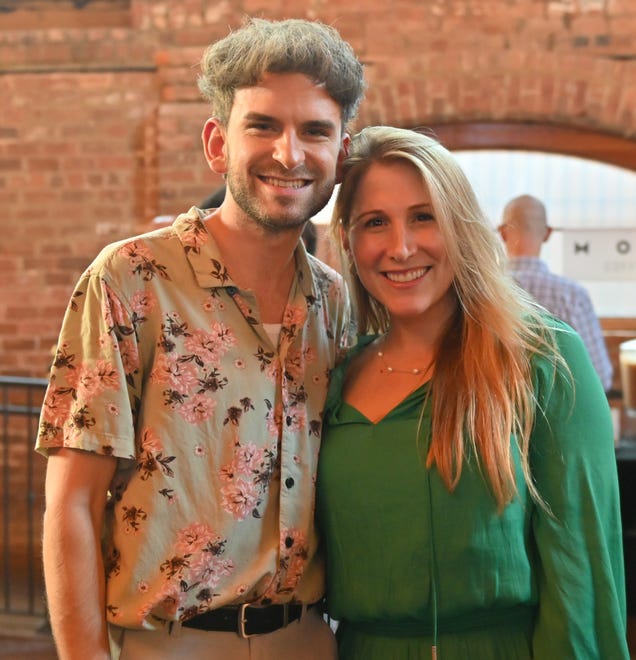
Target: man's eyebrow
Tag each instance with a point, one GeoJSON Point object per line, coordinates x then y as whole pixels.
{"type": "Point", "coordinates": [320, 123]}
{"type": "Point", "coordinates": [257, 116]}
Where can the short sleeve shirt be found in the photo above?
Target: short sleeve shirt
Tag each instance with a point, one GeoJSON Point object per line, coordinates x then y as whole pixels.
{"type": "Point", "coordinates": [164, 364]}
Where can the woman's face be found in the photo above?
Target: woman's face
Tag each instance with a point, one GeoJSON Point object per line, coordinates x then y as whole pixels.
{"type": "Point", "coordinates": [397, 246]}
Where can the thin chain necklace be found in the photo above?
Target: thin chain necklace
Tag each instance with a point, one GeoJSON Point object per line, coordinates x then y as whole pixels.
{"type": "Point", "coordinates": [414, 371]}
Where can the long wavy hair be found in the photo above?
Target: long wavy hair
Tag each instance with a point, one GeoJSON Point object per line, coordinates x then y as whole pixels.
{"type": "Point", "coordinates": [482, 394]}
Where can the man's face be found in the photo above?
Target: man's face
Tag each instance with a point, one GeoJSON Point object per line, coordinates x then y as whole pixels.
{"type": "Point", "coordinates": [280, 150]}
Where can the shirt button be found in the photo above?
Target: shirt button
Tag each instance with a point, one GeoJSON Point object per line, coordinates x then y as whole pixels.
{"type": "Point", "coordinates": [289, 482]}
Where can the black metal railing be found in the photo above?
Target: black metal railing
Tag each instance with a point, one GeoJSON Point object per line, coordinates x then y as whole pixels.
{"type": "Point", "coordinates": [22, 493]}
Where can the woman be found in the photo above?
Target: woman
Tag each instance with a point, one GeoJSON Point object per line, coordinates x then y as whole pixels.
{"type": "Point", "coordinates": [467, 485]}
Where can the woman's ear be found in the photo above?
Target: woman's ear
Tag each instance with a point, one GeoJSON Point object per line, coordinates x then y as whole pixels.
{"type": "Point", "coordinates": [214, 145]}
{"type": "Point", "coordinates": [344, 239]}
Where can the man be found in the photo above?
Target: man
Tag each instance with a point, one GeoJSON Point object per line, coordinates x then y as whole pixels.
{"type": "Point", "coordinates": [524, 230]}
{"type": "Point", "coordinates": [182, 420]}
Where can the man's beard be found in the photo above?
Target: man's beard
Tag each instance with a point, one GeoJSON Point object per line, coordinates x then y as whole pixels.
{"type": "Point", "coordinates": [250, 205]}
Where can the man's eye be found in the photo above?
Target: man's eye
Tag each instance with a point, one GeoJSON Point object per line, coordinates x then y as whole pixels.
{"type": "Point", "coordinates": [318, 132]}
{"type": "Point", "coordinates": [260, 126]}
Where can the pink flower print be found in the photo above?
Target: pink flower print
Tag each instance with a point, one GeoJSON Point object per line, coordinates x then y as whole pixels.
{"type": "Point", "coordinates": [204, 345]}
{"type": "Point", "coordinates": [294, 552]}
{"type": "Point", "coordinates": [292, 541]}
{"type": "Point", "coordinates": [296, 420]}
{"type": "Point", "coordinates": [194, 236]}
{"type": "Point", "coordinates": [225, 336]}
{"type": "Point", "coordinates": [197, 409]}
{"type": "Point", "coordinates": [272, 371]}
{"type": "Point", "coordinates": [129, 355]}
{"type": "Point", "coordinates": [136, 253]}
{"type": "Point", "coordinates": [294, 573]}
{"type": "Point", "coordinates": [294, 365]}
{"type": "Point", "coordinates": [142, 302]}
{"type": "Point", "coordinates": [169, 370]}
{"type": "Point", "coordinates": [239, 498]}
{"type": "Point", "coordinates": [210, 304]}
{"type": "Point", "coordinates": [228, 472]}
{"type": "Point", "coordinates": [89, 381]}
{"type": "Point", "coordinates": [274, 421]}
{"type": "Point", "coordinates": [57, 407]}
{"type": "Point", "coordinates": [294, 316]}
{"type": "Point", "coordinates": [133, 518]}
{"type": "Point", "coordinates": [208, 569]}
{"type": "Point", "coordinates": [114, 313]}
{"type": "Point", "coordinates": [193, 538]}
{"type": "Point", "coordinates": [150, 441]}
{"type": "Point", "coordinates": [248, 459]}
{"type": "Point", "coordinates": [106, 341]}
{"type": "Point", "coordinates": [244, 308]}
{"type": "Point", "coordinates": [107, 375]}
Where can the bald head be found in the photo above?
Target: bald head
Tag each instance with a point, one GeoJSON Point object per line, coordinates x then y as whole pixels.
{"type": "Point", "coordinates": [524, 226]}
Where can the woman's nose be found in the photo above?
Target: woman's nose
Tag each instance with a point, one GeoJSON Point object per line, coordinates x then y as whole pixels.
{"type": "Point", "coordinates": [288, 150]}
{"type": "Point", "coordinates": [402, 244]}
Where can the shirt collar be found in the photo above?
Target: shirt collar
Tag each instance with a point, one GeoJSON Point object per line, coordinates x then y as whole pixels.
{"type": "Point", "coordinates": [527, 263]}
{"type": "Point", "coordinates": [206, 261]}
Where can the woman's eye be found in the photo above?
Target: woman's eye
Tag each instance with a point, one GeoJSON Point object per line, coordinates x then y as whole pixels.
{"type": "Point", "coordinates": [374, 222]}
{"type": "Point", "coordinates": [424, 217]}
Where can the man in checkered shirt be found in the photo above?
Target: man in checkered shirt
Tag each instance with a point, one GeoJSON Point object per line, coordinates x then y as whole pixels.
{"type": "Point", "coordinates": [524, 230]}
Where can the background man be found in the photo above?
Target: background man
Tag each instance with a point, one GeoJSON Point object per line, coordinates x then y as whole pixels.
{"type": "Point", "coordinates": [524, 229]}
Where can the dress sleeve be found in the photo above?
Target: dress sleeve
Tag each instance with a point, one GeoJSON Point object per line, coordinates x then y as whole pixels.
{"type": "Point", "coordinates": [91, 399]}
{"type": "Point", "coordinates": [579, 555]}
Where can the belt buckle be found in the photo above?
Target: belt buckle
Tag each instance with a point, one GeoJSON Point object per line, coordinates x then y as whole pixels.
{"type": "Point", "coordinates": [242, 620]}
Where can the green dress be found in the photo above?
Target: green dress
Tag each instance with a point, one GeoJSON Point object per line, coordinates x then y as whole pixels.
{"type": "Point", "coordinates": [409, 562]}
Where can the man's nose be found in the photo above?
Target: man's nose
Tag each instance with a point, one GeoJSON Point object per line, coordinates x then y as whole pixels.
{"type": "Point", "coordinates": [288, 150]}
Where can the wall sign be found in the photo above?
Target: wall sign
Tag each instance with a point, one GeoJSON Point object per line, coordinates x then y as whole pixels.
{"type": "Point", "coordinates": [602, 254]}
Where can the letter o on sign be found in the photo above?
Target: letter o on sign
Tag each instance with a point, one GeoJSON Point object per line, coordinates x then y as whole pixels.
{"type": "Point", "coordinates": [623, 247]}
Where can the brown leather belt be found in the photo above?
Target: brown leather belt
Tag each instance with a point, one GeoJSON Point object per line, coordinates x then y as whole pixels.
{"type": "Point", "coordinates": [247, 620]}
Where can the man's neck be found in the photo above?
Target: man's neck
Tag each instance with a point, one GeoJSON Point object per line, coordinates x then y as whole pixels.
{"type": "Point", "coordinates": [260, 261]}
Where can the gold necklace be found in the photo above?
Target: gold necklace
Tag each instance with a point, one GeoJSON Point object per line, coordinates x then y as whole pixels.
{"type": "Point", "coordinates": [415, 371]}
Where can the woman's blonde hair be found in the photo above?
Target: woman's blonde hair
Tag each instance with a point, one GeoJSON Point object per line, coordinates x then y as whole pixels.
{"type": "Point", "coordinates": [482, 393]}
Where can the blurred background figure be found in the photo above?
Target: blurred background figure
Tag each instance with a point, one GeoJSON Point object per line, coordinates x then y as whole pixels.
{"type": "Point", "coordinates": [524, 230]}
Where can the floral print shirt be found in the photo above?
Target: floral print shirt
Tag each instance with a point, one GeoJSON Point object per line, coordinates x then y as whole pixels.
{"type": "Point", "coordinates": [163, 363]}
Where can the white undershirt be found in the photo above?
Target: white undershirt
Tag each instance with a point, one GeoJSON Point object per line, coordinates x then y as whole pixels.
{"type": "Point", "coordinates": [273, 330]}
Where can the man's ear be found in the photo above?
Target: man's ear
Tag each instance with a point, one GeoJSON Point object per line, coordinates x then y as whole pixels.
{"type": "Point", "coordinates": [214, 145]}
{"type": "Point", "coordinates": [342, 154]}
{"type": "Point", "coordinates": [548, 232]}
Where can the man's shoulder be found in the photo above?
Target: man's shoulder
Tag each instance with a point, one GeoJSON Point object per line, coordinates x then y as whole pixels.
{"type": "Point", "coordinates": [321, 270]}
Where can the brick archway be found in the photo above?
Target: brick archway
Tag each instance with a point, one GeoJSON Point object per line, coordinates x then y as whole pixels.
{"type": "Point", "coordinates": [584, 143]}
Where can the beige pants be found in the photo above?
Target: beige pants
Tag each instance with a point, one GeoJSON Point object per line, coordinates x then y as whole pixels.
{"type": "Point", "coordinates": [307, 639]}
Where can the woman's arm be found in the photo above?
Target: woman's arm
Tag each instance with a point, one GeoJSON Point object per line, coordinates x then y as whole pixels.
{"type": "Point", "coordinates": [579, 568]}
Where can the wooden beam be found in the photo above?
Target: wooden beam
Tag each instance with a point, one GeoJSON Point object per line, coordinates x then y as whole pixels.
{"type": "Point", "coordinates": [592, 145]}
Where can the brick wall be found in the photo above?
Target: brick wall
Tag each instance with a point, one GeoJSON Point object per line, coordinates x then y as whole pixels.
{"type": "Point", "coordinates": [101, 119]}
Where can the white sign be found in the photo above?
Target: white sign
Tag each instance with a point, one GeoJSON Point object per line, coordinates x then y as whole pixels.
{"type": "Point", "coordinates": [603, 254]}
